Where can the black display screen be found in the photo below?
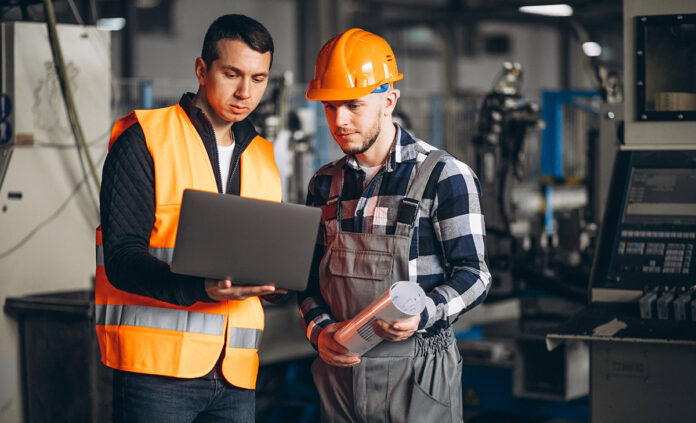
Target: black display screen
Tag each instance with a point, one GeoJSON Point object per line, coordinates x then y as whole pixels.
{"type": "Point", "coordinates": [661, 196]}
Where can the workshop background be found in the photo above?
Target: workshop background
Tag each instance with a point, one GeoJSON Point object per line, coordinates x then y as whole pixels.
{"type": "Point", "coordinates": [579, 120]}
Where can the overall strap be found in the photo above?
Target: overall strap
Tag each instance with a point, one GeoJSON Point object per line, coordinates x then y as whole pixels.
{"type": "Point", "coordinates": [333, 203]}
{"type": "Point", "coordinates": [408, 209]}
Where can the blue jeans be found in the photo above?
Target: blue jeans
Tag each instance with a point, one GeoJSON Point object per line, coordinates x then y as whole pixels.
{"type": "Point", "coordinates": [151, 398]}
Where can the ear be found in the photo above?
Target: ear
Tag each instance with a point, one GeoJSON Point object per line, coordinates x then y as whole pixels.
{"type": "Point", "coordinates": [390, 101]}
{"type": "Point", "coordinates": [201, 70]}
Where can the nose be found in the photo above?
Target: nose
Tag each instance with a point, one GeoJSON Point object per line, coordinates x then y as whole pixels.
{"type": "Point", "coordinates": [341, 117]}
{"type": "Point", "coordinates": [244, 89]}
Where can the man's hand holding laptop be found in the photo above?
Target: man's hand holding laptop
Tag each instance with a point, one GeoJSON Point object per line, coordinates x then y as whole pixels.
{"type": "Point", "coordinates": [227, 290]}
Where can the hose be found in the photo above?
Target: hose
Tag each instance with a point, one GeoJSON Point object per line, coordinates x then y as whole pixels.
{"type": "Point", "coordinates": [68, 98]}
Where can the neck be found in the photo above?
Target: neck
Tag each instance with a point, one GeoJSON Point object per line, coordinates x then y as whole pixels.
{"type": "Point", "coordinates": [221, 127]}
{"type": "Point", "coordinates": [377, 154]}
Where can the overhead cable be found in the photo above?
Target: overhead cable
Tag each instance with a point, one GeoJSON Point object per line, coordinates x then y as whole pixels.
{"type": "Point", "coordinates": [68, 99]}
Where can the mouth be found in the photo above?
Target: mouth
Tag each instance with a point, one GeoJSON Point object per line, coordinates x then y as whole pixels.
{"type": "Point", "coordinates": [238, 109]}
{"type": "Point", "coordinates": [344, 134]}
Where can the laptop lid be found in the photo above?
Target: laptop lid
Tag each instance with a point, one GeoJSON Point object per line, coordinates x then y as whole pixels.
{"type": "Point", "coordinates": [252, 242]}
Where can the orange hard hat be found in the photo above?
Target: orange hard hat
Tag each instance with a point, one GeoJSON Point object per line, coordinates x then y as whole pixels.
{"type": "Point", "coordinates": [352, 65]}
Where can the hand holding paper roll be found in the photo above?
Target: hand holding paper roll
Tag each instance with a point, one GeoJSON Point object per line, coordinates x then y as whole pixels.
{"type": "Point", "coordinates": [397, 331]}
{"type": "Point", "coordinates": [401, 301]}
{"type": "Point", "coordinates": [331, 351]}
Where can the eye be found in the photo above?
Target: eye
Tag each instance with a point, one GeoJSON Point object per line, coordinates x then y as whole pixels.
{"type": "Point", "coordinates": [231, 75]}
{"type": "Point", "coordinates": [353, 106]}
{"type": "Point", "coordinates": [328, 106]}
{"type": "Point", "coordinates": [259, 79]}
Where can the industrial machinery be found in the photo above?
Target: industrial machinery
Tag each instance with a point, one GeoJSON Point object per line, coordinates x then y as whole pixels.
{"type": "Point", "coordinates": [639, 324]}
{"type": "Point", "coordinates": [537, 197]}
{"type": "Point", "coordinates": [504, 120]}
{"type": "Point", "coordinates": [284, 119]}
{"type": "Point", "coordinates": [536, 200]}
{"type": "Point", "coordinates": [543, 201]}
{"type": "Point", "coordinates": [640, 320]}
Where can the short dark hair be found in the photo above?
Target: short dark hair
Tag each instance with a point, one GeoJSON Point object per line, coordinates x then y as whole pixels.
{"type": "Point", "coordinates": [236, 27]}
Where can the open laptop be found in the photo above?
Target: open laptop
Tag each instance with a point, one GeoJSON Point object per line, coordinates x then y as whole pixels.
{"type": "Point", "coordinates": [253, 242]}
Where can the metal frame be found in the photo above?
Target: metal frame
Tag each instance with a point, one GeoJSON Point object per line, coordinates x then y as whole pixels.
{"type": "Point", "coordinates": [553, 103]}
{"type": "Point", "coordinates": [641, 24]}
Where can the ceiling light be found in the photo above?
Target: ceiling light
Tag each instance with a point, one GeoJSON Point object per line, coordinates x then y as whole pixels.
{"type": "Point", "coordinates": [548, 10]}
{"type": "Point", "coordinates": [592, 49]}
{"type": "Point", "coordinates": [111, 24]}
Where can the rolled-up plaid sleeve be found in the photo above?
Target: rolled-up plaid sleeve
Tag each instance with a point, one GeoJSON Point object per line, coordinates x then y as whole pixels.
{"type": "Point", "coordinates": [459, 227]}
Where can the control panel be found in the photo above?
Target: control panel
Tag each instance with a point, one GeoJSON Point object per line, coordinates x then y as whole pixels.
{"type": "Point", "coordinates": [653, 255]}
{"type": "Point", "coordinates": [650, 236]}
{"type": "Point", "coordinates": [655, 233]}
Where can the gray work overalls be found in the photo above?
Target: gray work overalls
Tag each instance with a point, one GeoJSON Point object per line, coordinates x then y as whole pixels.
{"type": "Point", "coordinates": [416, 380]}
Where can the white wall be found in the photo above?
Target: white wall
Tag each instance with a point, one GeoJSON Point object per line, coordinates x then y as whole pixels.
{"type": "Point", "coordinates": [60, 254]}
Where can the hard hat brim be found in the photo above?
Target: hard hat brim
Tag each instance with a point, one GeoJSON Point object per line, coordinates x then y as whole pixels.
{"type": "Point", "coordinates": [338, 94]}
{"type": "Point", "coordinates": [327, 94]}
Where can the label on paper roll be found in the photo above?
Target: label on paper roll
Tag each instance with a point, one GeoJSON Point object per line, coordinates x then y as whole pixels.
{"type": "Point", "coordinates": [402, 300]}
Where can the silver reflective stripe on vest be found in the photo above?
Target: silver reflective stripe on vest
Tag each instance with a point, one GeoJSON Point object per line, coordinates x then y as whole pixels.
{"type": "Point", "coordinates": [159, 318]}
{"type": "Point", "coordinates": [100, 255]}
{"type": "Point", "coordinates": [164, 254]}
{"type": "Point", "coordinates": [245, 338]}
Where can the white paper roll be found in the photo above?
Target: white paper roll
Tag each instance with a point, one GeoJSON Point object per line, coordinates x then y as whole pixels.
{"type": "Point", "coordinates": [402, 300]}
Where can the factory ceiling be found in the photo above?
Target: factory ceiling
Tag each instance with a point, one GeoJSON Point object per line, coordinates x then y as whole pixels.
{"type": "Point", "coordinates": [592, 14]}
{"type": "Point", "coordinates": [589, 13]}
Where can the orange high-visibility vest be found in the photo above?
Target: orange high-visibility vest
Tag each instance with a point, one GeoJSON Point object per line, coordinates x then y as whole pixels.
{"type": "Point", "coordinates": [144, 335]}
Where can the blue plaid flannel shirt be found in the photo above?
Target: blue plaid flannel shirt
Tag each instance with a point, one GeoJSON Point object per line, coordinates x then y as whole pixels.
{"type": "Point", "coordinates": [448, 249]}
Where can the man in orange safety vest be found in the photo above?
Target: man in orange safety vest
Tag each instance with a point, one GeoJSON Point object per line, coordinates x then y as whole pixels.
{"type": "Point", "coordinates": [184, 348]}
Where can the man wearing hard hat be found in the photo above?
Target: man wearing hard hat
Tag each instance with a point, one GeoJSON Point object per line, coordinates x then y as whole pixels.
{"type": "Point", "coordinates": [394, 208]}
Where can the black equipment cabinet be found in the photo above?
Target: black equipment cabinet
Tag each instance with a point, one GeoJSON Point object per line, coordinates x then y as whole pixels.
{"type": "Point", "coordinates": [63, 379]}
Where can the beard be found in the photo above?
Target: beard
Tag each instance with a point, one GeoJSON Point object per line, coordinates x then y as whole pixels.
{"type": "Point", "coordinates": [368, 140]}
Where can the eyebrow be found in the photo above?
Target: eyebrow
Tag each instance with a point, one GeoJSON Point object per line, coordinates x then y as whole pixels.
{"type": "Point", "coordinates": [356, 101]}
{"type": "Point", "coordinates": [237, 70]}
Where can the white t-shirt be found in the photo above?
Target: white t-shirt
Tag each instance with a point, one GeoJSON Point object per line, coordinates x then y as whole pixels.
{"type": "Point", "coordinates": [225, 160]}
{"type": "Point", "coordinates": [370, 172]}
